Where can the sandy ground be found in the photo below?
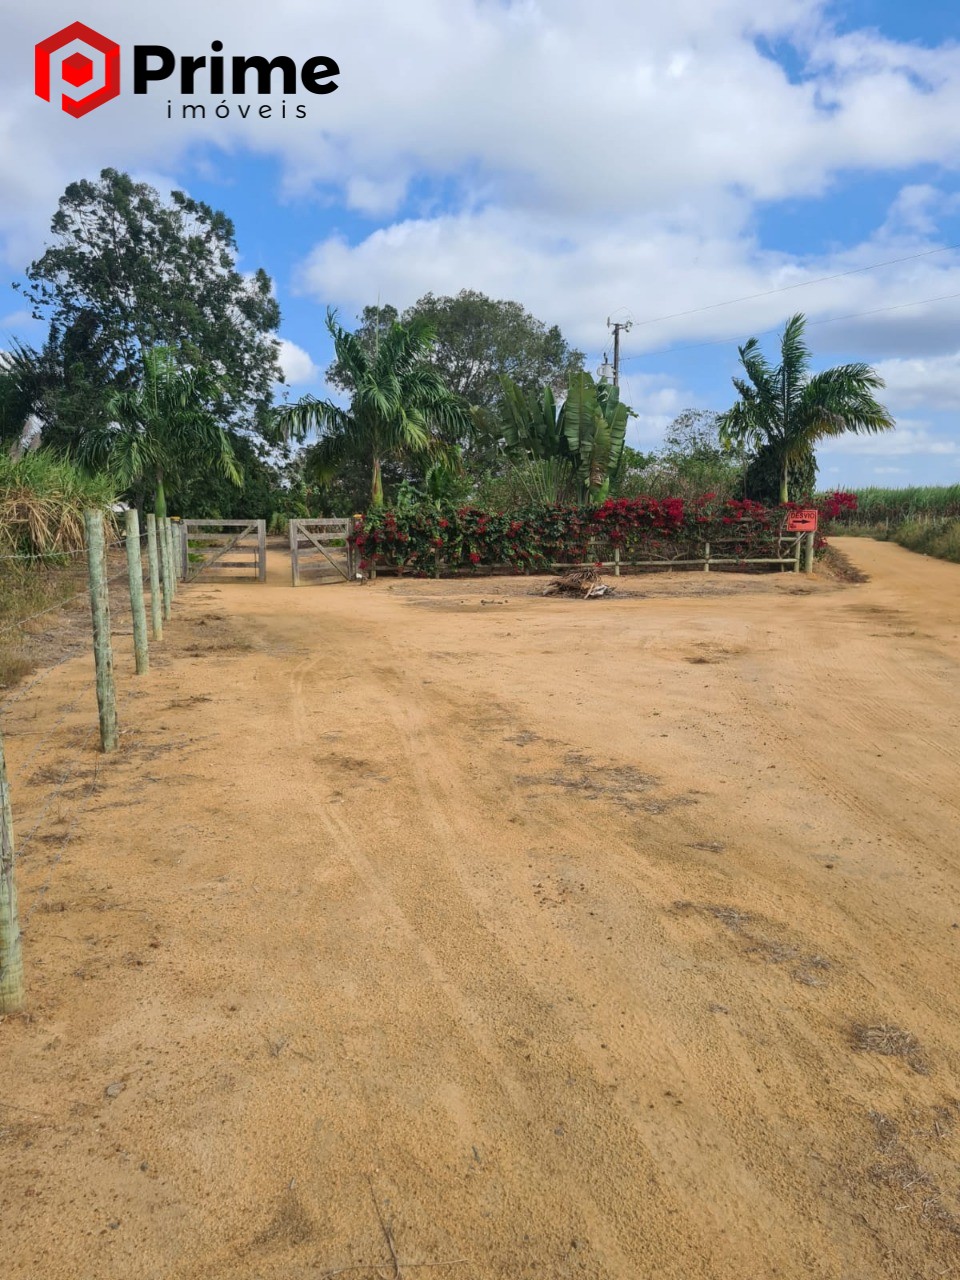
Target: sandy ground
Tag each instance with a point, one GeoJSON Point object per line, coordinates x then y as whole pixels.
{"type": "Point", "coordinates": [439, 929]}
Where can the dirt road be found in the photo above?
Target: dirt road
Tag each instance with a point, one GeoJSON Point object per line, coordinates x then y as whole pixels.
{"type": "Point", "coordinates": [439, 929]}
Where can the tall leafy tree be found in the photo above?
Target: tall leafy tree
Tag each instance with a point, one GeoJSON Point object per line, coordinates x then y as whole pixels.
{"type": "Point", "coordinates": [784, 410]}
{"type": "Point", "coordinates": [160, 430]}
{"type": "Point", "coordinates": [400, 408]}
{"type": "Point", "coordinates": [128, 271]}
{"type": "Point", "coordinates": [481, 340]}
{"type": "Point", "coordinates": [478, 341]}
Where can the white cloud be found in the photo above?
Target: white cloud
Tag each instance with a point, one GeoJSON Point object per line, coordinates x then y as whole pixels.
{"type": "Point", "coordinates": [17, 321]}
{"type": "Point", "coordinates": [910, 439]}
{"type": "Point", "coordinates": [297, 365]}
{"type": "Point", "coordinates": [674, 108]}
{"type": "Point", "coordinates": [918, 209]}
{"type": "Point", "coordinates": [577, 271]}
{"type": "Point", "coordinates": [931, 381]}
{"type": "Point", "coordinates": [371, 198]}
{"type": "Point", "coordinates": [656, 401]}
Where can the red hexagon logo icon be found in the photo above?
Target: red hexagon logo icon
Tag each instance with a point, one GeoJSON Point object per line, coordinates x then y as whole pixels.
{"type": "Point", "coordinates": [87, 58]}
{"type": "Point", "coordinates": [77, 69]}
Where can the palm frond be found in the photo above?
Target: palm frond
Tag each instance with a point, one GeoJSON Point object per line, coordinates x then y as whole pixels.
{"type": "Point", "coordinates": [296, 421]}
{"type": "Point", "coordinates": [349, 349]}
{"type": "Point", "coordinates": [323, 460]}
{"type": "Point", "coordinates": [794, 352]}
{"type": "Point", "coordinates": [838, 401]}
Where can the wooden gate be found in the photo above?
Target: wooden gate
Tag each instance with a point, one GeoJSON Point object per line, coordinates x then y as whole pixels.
{"type": "Point", "coordinates": [322, 549]}
{"type": "Point", "coordinates": [207, 543]}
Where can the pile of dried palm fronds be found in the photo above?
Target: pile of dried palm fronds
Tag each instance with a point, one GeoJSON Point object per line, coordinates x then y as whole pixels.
{"type": "Point", "coordinates": [585, 584]}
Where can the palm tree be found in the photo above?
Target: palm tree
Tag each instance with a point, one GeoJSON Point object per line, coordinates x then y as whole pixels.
{"type": "Point", "coordinates": [786, 410]}
{"type": "Point", "coordinates": [157, 431]}
{"type": "Point", "coordinates": [399, 408]}
{"type": "Point", "coordinates": [21, 386]}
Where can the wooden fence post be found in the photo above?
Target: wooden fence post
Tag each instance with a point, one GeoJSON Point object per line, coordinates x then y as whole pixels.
{"type": "Point", "coordinates": [796, 553]}
{"type": "Point", "coordinates": [165, 567]}
{"type": "Point", "coordinates": [135, 573]}
{"type": "Point", "coordinates": [616, 561]}
{"type": "Point", "coordinates": [11, 955]}
{"type": "Point", "coordinates": [261, 550]}
{"type": "Point", "coordinates": [808, 559]}
{"type": "Point", "coordinates": [100, 611]}
{"type": "Point", "coordinates": [294, 531]}
{"type": "Point", "coordinates": [156, 604]}
{"type": "Point", "coordinates": [184, 550]}
{"type": "Point", "coordinates": [168, 525]}
{"type": "Point", "coordinates": [355, 571]}
{"type": "Point", "coordinates": [706, 557]}
{"type": "Point", "coordinates": [176, 535]}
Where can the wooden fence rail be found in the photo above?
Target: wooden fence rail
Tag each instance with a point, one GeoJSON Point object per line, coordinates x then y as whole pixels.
{"type": "Point", "coordinates": [791, 548]}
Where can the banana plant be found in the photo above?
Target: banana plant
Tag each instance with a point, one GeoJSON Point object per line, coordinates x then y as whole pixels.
{"type": "Point", "coordinates": [595, 430]}
{"type": "Point", "coordinates": [531, 425]}
{"type": "Point", "coordinates": [586, 434]}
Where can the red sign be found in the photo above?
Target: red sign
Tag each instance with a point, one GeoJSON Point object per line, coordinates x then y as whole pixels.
{"type": "Point", "coordinates": [803, 521]}
{"type": "Point", "coordinates": [80, 58]}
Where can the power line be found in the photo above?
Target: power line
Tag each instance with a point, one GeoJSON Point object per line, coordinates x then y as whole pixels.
{"type": "Point", "coordinates": [801, 284]}
{"type": "Point", "coordinates": [855, 315]}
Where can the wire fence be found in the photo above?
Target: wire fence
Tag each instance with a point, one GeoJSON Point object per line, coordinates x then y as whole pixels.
{"type": "Point", "coordinates": [126, 582]}
{"type": "Point", "coordinates": [61, 578]}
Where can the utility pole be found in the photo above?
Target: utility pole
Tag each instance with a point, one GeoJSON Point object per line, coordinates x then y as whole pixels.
{"type": "Point", "coordinates": [626, 326]}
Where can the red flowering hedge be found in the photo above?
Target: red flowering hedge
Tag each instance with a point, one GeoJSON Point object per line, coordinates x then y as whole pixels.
{"type": "Point", "coordinates": [661, 529]}
{"type": "Point", "coordinates": [833, 506]}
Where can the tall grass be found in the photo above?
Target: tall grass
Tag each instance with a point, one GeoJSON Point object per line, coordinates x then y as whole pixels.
{"type": "Point", "coordinates": [940, 538]}
{"type": "Point", "coordinates": [877, 506]}
{"type": "Point", "coordinates": [42, 501]}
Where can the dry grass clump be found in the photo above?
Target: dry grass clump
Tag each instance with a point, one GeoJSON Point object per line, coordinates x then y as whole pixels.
{"type": "Point", "coordinates": [42, 501]}
{"type": "Point", "coordinates": [890, 1041]}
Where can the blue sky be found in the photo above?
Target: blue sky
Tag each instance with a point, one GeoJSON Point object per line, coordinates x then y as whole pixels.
{"type": "Point", "coordinates": [628, 163]}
